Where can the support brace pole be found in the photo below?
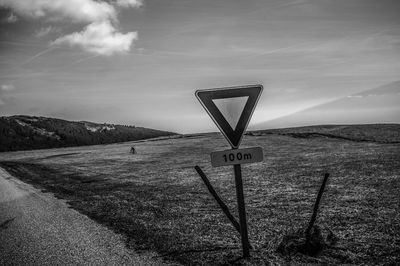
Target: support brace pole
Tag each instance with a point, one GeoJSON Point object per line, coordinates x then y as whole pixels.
{"type": "Point", "coordinates": [224, 208]}
{"type": "Point", "coordinates": [316, 205]}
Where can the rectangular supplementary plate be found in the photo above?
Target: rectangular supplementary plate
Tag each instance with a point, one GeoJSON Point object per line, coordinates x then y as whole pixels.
{"type": "Point", "coordinates": [236, 156]}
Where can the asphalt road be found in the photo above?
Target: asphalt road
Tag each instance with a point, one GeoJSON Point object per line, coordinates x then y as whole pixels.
{"type": "Point", "coordinates": [38, 229]}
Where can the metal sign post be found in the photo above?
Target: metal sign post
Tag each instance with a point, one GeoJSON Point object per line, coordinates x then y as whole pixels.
{"type": "Point", "coordinates": [242, 211]}
{"type": "Point", "coordinates": [233, 134]}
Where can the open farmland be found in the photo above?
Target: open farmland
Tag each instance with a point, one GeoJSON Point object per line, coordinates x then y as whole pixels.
{"type": "Point", "coordinates": [158, 201]}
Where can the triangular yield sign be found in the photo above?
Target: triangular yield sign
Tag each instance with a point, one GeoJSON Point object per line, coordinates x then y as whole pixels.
{"type": "Point", "coordinates": [209, 98]}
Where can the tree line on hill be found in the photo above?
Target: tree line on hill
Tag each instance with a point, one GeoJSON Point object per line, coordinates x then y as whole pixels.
{"type": "Point", "coordinates": [29, 132]}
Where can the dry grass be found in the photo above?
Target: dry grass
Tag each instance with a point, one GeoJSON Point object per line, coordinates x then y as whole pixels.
{"type": "Point", "coordinates": [157, 200]}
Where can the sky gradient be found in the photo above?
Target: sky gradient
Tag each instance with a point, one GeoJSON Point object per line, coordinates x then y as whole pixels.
{"type": "Point", "coordinates": [139, 63]}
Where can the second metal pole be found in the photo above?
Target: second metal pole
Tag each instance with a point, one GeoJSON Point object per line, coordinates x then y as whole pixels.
{"type": "Point", "coordinates": [242, 211]}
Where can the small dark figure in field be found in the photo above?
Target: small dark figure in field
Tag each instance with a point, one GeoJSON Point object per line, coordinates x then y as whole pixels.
{"type": "Point", "coordinates": [133, 150]}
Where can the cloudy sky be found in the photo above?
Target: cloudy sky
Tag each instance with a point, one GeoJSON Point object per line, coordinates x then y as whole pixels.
{"type": "Point", "coordinates": [140, 62]}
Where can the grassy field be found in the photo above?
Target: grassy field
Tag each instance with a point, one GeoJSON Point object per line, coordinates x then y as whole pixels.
{"type": "Point", "coordinates": [156, 199]}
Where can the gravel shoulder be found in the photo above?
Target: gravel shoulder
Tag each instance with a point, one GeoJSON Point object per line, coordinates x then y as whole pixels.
{"type": "Point", "coordinates": [38, 229]}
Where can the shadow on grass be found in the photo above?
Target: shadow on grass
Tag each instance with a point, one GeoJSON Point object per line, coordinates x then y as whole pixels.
{"type": "Point", "coordinates": [149, 216]}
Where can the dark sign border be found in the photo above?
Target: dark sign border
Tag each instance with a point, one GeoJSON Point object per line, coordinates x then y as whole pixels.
{"type": "Point", "coordinates": [234, 136]}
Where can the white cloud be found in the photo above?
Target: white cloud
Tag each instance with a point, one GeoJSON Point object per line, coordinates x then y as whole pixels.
{"type": "Point", "coordinates": [128, 3]}
{"type": "Point", "coordinates": [11, 18]}
{"type": "Point", "coordinates": [76, 10]}
{"type": "Point", "coordinates": [100, 38]}
{"type": "Point", "coordinates": [43, 31]}
{"type": "Point", "coordinates": [100, 35]}
{"type": "Point", "coordinates": [7, 87]}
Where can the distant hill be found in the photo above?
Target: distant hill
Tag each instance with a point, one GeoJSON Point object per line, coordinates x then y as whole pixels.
{"type": "Point", "coordinates": [378, 105]}
{"type": "Point", "coordinates": [381, 133]}
{"type": "Point", "coordinates": [30, 132]}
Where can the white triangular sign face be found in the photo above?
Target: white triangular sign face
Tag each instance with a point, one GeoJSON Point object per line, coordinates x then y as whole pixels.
{"type": "Point", "coordinates": [231, 108]}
